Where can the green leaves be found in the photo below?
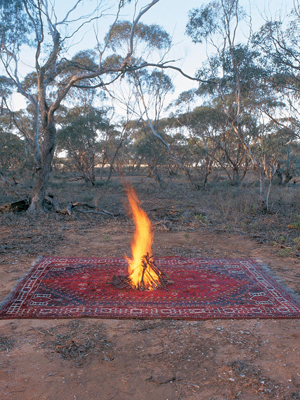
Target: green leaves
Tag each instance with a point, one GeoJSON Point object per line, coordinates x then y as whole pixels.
{"type": "Point", "coordinates": [14, 23]}
{"type": "Point", "coordinates": [81, 125]}
{"type": "Point", "coordinates": [203, 21]}
{"type": "Point", "coordinates": [154, 36]}
{"type": "Point", "coordinates": [6, 86]}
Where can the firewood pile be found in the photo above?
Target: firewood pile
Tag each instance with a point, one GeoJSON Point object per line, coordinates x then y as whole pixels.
{"type": "Point", "coordinates": [152, 277]}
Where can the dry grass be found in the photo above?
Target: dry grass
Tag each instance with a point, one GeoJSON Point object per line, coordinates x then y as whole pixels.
{"type": "Point", "coordinates": [176, 207]}
{"type": "Point", "coordinates": [75, 341]}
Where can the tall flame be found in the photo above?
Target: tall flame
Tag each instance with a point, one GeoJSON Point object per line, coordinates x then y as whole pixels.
{"type": "Point", "coordinates": [142, 241]}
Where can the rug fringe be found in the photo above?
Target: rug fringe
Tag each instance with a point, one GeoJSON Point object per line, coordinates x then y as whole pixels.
{"type": "Point", "coordinates": [281, 281]}
{"type": "Point", "coordinates": [23, 278]}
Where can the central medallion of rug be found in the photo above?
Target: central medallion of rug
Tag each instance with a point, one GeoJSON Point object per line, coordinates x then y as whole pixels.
{"type": "Point", "coordinates": [203, 288]}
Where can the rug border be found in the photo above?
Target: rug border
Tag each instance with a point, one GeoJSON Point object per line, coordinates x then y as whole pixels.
{"type": "Point", "coordinates": [20, 281]}
{"type": "Point", "coordinates": [281, 281]}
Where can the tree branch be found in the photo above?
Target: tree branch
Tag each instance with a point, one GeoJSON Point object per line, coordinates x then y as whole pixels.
{"type": "Point", "coordinates": [141, 13]}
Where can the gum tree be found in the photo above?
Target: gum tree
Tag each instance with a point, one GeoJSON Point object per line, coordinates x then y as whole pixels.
{"type": "Point", "coordinates": [79, 137]}
{"type": "Point", "coordinates": [278, 41]}
{"type": "Point", "coordinates": [236, 78]}
{"type": "Point", "coordinates": [150, 91]}
{"type": "Point", "coordinates": [54, 74]}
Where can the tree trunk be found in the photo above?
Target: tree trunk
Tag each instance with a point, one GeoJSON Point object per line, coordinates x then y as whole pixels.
{"type": "Point", "coordinates": [92, 174]}
{"type": "Point", "coordinates": [102, 167]}
{"type": "Point", "coordinates": [42, 178]}
{"type": "Point", "coordinates": [208, 170]}
{"type": "Point", "coordinates": [263, 200]}
{"type": "Point", "coordinates": [113, 159]}
{"type": "Point", "coordinates": [235, 175]}
{"type": "Point", "coordinates": [154, 173]}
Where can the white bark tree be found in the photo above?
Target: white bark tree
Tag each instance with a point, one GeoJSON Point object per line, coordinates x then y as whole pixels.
{"type": "Point", "coordinates": [54, 75]}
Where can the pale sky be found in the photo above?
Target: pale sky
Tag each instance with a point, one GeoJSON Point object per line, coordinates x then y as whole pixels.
{"type": "Point", "coordinates": [173, 16]}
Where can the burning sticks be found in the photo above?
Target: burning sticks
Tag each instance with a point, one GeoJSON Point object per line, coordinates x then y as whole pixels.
{"type": "Point", "coordinates": [151, 277]}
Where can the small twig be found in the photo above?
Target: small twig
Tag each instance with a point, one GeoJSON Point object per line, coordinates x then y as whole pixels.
{"type": "Point", "coordinates": [92, 206]}
{"type": "Point", "coordinates": [114, 395]}
{"type": "Point", "coordinates": [168, 380]}
{"type": "Point", "coordinates": [190, 384]}
{"type": "Point", "coordinates": [37, 330]}
{"type": "Point", "coordinates": [163, 224]}
{"type": "Point", "coordinates": [16, 182]}
{"type": "Point", "coordinates": [42, 333]}
{"type": "Point", "coordinates": [91, 212]}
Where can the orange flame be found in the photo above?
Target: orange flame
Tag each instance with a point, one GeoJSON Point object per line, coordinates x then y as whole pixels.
{"type": "Point", "coordinates": [142, 241]}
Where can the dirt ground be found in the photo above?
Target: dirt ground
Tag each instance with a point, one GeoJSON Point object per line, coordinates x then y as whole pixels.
{"type": "Point", "coordinates": [91, 359]}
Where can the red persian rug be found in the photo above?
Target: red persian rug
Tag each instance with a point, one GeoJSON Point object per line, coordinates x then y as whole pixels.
{"type": "Point", "coordinates": [58, 287]}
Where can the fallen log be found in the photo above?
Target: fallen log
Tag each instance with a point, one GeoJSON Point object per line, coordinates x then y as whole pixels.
{"type": "Point", "coordinates": [66, 211]}
{"type": "Point", "coordinates": [23, 205]}
{"type": "Point", "coordinates": [17, 206]}
{"type": "Point", "coordinates": [71, 206]}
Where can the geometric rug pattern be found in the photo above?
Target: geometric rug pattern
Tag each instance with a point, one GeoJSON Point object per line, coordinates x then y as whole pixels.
{"type": "Point", "coordinates": [204, 288]}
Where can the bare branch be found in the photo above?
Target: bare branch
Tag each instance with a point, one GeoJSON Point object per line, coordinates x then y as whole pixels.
{"type": "Point", "coordinates": [14, 76]}
{"type": "Point", "coordinates": [109, 33]}
{"type": "Point", "coordinates": [141, 13]}
{"type": "Point", "coordinates": [135, 68]}
{"type": "Point", "coordinates": [164, 66]}
{"type": "Point", "coordinates": [101, 84]}
{"type": "Point", "coordinates": [69, 12]}
{"type": "Point", "coordinates": [82, 25]}
{"type": "Point", "coordinates": [37, 33]}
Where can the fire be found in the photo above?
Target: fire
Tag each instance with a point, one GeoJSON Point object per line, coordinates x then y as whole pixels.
{"type": "Point", "coordinates": [143, 273]}
{"type": "Point", "coordinates": [141, 244]}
